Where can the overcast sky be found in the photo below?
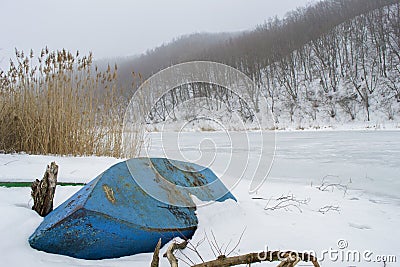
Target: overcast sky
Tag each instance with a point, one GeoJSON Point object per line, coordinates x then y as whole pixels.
{"type": "Point", "coordinates": [113, 28]}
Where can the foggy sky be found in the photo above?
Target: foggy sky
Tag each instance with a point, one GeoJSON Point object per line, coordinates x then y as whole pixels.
{"type": "Point", "coordinates": [113, 28]}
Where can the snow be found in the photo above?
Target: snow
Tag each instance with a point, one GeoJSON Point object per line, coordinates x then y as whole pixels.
{"type": "Point", "coordinates": [367, 215]}
{"type": "Point", "coordinates": [23, 167]}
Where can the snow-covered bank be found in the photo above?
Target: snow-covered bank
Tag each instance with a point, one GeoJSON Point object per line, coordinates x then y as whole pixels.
{"type": "Point", "coordinates": [229, 122]}
{"type": "Point", "coordinates": [366, 223]}
{"type": "Point", "coordinates": [23, 167]}
{"type": "Point", "coordinates": [363, 214]}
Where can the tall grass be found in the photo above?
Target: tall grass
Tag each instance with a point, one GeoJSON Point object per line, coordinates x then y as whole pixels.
{"type": "Point", "coordinates": [60, 104]}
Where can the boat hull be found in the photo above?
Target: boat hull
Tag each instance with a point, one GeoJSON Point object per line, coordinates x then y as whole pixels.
{"type": "Point", "coordinates": [114, 216]}
{"type": "Point", "coordinates": [93, 236]}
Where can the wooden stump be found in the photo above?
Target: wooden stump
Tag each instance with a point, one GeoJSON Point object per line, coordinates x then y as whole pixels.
{"type": "Point", "coordinates": [43, 191]}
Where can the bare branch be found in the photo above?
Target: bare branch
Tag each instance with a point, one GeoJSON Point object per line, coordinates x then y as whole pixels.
{"type": "Point", "coordinates": [219, 249]}
{"type": "Point", "coordinates": [326, 185]}
{"type": "Point", "coordinates": [194, 248]}
{"type": "Point", "coordinates": [188, 261]}
{"type": "Point", "coordinates": [285, 202]}
{"type": "Point", "coordinates": [170, 252]}
{"type": "Point", "coordinates": [211, 245]}
{"type": "Point", "coordinates": [288, 258]}
{"type": "Point", "coordinates": [329, 208]}
{"type": "Point", "coordinates": [237, 244]}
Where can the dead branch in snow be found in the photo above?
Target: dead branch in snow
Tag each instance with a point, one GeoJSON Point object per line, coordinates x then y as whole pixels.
{"type": "Point", "coordinates": [170, 252]}
{"type": "Point", "coordinates": [329, 208]}
{"type": "Point", "coordinates": [286, 258]}
{"type": "Point", "coordinates": [330, 186]}
{"type": "Point", "coordinates": [285, 202]}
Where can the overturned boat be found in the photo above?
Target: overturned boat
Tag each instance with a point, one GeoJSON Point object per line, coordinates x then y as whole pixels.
{"type": "Point", "coordinates": [128, 208]}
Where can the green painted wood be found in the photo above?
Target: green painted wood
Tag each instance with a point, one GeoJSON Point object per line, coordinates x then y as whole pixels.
{"type": "Point", "coordinates": [28, 184]}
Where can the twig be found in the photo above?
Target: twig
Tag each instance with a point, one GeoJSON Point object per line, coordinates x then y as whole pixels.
{"type": "Point", "coordinates": [187, 258]}
{"type": "Point", "coordinates": [329, 208]}
{"type": "Point", "coordinates": [286, 202]}
{"type": "Point", "coordinates": [237, 244]}
{"type": "Point", "coordinates": [194, 248]}
{"type": "Point", "coordinates": [325, 185]}
{"type": "Point", "coordinates": [227, 246]}
{"type": "Point", "coordinates": [219, 249]}
{"type": "Point", "coordinates": [211, 245]}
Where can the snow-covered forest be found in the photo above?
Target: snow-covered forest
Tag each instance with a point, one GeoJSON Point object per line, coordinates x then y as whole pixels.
{"type": "Point", "coordinates": [350, 73]}
{"type": "Point", "coordinates": [331, 63]}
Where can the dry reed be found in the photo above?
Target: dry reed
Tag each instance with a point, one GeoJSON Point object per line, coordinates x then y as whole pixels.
{"type": "Point", "coordinates": [60, 105]}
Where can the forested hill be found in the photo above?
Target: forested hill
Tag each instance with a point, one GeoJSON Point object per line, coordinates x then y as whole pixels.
{"type": "Point", "coordinates": [334, 60]}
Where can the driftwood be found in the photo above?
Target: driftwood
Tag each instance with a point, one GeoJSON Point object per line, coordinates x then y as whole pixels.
{"type": "Point", "coordinates": [156, 259]}
{"type": "Point", "coordinates": [43, 191]}
{"type": "Point", "coordinates": [170, 252]}
{"type": "Point", "coordinates": [287, 259]}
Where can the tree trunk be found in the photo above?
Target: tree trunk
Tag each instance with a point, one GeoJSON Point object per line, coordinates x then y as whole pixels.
{"type": "Point", "coordinates": [43, 191]}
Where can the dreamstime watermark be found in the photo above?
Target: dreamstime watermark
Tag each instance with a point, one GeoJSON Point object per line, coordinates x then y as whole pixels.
{"type": "Point", "coordinates": [183, 90]}
{"type": "Point", "coordinates": [341, 253]}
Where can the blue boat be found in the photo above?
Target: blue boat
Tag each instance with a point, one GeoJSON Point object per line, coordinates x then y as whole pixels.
{"type": "Point", "coordinates": [128, 208]}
